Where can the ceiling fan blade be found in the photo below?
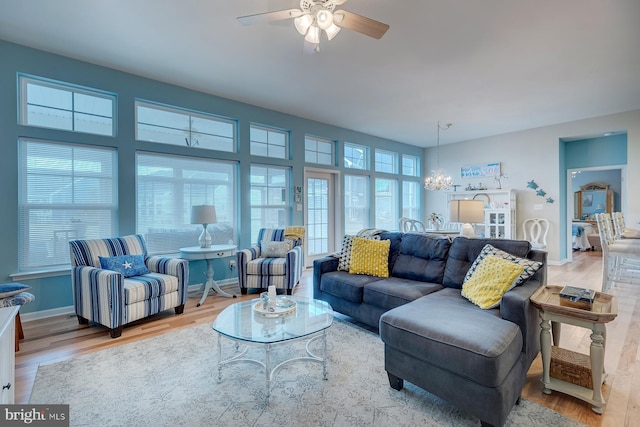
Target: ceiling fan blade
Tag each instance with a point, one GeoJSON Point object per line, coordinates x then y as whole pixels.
{"type": "Point", "coordinates": [269, 16]}
{"type": "Point", "coordinates": [362, 24]}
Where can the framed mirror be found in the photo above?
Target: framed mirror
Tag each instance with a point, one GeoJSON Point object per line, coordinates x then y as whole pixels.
{"type": "Point", "coordinates": [593, 198]}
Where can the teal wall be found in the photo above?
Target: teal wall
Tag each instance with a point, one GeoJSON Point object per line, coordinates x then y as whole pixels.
{"type": "Point", "coordinates": [586, 153]}
{"type": "Point", "coordinates": [55, 292]}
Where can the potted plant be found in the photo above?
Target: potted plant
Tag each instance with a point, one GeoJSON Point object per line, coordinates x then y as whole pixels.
{"type": "Point", "coordinates": [436, 220]}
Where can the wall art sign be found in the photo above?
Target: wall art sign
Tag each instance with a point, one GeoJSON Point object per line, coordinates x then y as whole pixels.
{"type": "Point", "coordinates": [480, 170]}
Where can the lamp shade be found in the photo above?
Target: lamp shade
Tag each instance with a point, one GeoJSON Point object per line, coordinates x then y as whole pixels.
{"type": "Point", "coordinates": [203, 214]}
{"type": "Point", "coordinates": [467, 211]}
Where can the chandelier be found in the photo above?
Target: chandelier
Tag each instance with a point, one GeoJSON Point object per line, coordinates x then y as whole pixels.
{"type": "Point", "coordinates": [317, 16]}
{"type": "Point", "coordinates": [439, 180]}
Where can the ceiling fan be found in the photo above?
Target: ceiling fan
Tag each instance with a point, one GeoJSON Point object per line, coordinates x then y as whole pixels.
{"type": "Point", "coordinates": [314, 16]}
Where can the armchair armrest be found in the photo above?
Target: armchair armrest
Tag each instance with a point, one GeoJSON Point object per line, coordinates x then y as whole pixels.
{"type": "Point", "coordinates": [243, 257]}
{"type": "Point", "coordinates": [177, 267]}
{"type": "Point", "coordinates": [91, 285]}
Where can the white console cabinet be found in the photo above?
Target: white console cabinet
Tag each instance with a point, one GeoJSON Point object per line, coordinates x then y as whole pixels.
{"type": "Point", "coordinates": [7, 354]}
{"type": "Point", "coordinates": [499, 212]}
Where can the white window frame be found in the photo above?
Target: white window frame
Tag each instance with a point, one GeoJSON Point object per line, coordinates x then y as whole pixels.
{"type": "Point", "coordinates": [189, 135]}
{"type": "Point", "coordinates": [415, 165]}
{"type": "Point", "coordinates": [73, 111]}
{"type": "Point", "coordinates": [349, 161]}
{"type": "Point", "coordinates": [380, 165]}
{"type": "Point", "coordinates": [188, 181]}
{"type": "Point", "coordinates": [319, 150]}
{"type": "Point", "coordinates": [45, 226]}
{"type": "Point", "coordinates": [283, 205]}
{"type": "Point", "coordinates": [271, 149]}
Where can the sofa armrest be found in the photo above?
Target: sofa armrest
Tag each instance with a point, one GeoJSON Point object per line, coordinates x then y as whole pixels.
{"type": "Point", "coordinates": [321, 266]}
{"type": "Point", "coordinates": [517, 308]}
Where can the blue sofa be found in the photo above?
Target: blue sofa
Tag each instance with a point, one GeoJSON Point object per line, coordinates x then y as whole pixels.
{"type": "Point", "coordinates": [434, 337]}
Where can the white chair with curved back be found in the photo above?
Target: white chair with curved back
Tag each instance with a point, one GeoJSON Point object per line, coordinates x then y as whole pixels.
{"type": "Point", "coordinates": [413, 225]}
{"type": "Point", "coordinates": [535, 231]}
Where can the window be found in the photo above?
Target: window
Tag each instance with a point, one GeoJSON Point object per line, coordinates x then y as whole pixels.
{"type": "Point", "coordinates": [172, 125]}
{"type": "Point", "coordinates": [410, 165]}
{"type": "Point", "coordinates": [356, 203]}
{"type": "Point", "coordinates": [167, 186]}
{"type": "Point", "coordinates": [318, 151]}
{"type": "Point", "coordinates": [269, 198]}
{"type": "Point", "coordinates": [268, 142]}
{"type": "Point", "coordinates": [58, 105]}
{"type": "Point", "coordinates": [411, 199]}
{"type": "Point", "coordinates": [385, 161]}
{"type": "Point", "coordinates": [355, 156]}
{"type": "Point", "coordinates": [66, 191]}
{"type": "Point", "coordinates": [386, 195]}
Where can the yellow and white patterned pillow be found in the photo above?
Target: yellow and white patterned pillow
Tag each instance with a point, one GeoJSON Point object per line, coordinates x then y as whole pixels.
{"type": "Point", "coordinates": [493, 277]}
{"type": "Point", "coordinates": [370, 257]}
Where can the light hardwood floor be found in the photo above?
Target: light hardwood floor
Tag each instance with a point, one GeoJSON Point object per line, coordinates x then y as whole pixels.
{"type": "Point", "coordinates": [54, 339]}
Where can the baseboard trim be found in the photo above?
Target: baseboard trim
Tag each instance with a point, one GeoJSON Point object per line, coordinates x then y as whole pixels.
{"type": "Point", "coordinates": [69, 310]}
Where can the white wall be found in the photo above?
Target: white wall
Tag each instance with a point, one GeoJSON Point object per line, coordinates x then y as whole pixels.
{"type": "Point", "coordinates": [535, 154]}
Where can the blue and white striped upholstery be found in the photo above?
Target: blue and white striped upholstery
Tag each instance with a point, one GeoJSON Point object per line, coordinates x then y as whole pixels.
{"type": "Point", "coordinates": [108, 298]}
{"type": "Point", "coordinates": [255, 272]}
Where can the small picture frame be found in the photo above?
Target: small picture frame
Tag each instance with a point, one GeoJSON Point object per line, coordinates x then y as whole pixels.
{"type": "Point", "coordinates": [297, 198]}
{"type": "Point", "coordinates": [297, 189]}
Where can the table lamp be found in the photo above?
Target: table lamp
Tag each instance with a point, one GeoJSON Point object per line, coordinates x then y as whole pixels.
{"type": "Point", "coordinates": [205, 215]}
{"type": "Point", "coordinates": [468, 212]}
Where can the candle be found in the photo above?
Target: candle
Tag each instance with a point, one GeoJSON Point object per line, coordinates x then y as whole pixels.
{"type": "Point", "coordinates": [272, 295]}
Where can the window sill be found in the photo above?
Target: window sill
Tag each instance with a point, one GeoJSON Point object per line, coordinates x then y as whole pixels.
{"type": "Point", "coordinates": [28, 275]}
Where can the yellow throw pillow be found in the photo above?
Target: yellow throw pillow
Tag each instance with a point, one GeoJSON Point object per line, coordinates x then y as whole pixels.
{"type": "Point", "coordinates": [492, 278]}
{"type": "Point", "coordinates": [370, 257]}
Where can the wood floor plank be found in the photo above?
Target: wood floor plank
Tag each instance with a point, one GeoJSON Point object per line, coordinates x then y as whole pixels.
{"type": "Point", "coordinates": [59, 338]}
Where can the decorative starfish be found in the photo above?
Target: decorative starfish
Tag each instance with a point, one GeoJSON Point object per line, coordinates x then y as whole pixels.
{"type": "Point", "coordinates": [126, 265]}
{"type": "Point", "coordinates": [532, 184]}
{"type": "Point", "coordinates": [541, 193]}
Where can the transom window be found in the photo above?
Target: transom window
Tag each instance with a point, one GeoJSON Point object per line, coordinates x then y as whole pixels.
{"type": "Point", "coordinates": [269, 198]}
{"type": "Point", "coordinates": [168, 186]}
{"type": "Point", "coordinates": [268, 142]}
{"type": "Point", "coordinates": [66, 191]}
{"type": "Point", "coordinates": [410, 165]}
{"type": "Point", "coordinates": [58, 105]}
{"type": "Point", "coordinates": [355, 156]}
{"type": "Point", "coordinates": [318, 150]}
{"type": "Point", "coordinates": [386, 161]}
{"type": "Point", "coordinates": [176, 126]}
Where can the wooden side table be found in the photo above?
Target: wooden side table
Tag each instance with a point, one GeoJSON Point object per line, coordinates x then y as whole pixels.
{"type": "Point", "coordinates": [209, 254]}
{"type": "Point", "coordinates": [604, 310]}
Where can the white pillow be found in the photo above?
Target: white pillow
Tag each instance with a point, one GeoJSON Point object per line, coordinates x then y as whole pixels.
{"type": "Point", "coordinates": [274, 249]}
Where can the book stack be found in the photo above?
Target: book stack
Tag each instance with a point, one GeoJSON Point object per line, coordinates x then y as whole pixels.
{"type": "Point", "coordinates": [582, 298]}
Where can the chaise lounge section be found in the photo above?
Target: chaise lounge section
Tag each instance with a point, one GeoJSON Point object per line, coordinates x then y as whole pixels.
{"type": "Point", "coordinates": [435, 338]}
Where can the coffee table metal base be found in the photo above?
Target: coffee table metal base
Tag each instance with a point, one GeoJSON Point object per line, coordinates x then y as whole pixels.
{"type": "Point", "coordinates": [270, 372]}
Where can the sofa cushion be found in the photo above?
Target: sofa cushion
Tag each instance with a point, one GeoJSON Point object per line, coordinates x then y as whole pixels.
{"type": "Point", "coordinates": [370, 257]}
{"type": "Point", "coordinates": [464, 251]}
{"type": "Point", "coordinates": [491, 279]}
{"type": "Point", "coordinates": [152, 285]}
{"type": "Point", "coordinates": [529, 266]}
{"type": "Point", "coordinates": [454, 335]}
{"type": "Point", "coordinates": [347, 248]}
{"type": "Point", "coordinates": [344, 285]}
{"type": "Point", "coordinates": [421, 257]}
{"type": "Point", "coordinates": [394, 291]}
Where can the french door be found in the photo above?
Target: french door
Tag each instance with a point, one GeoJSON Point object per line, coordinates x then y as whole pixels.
{"type": "Point", "coordinates": [319, 215]}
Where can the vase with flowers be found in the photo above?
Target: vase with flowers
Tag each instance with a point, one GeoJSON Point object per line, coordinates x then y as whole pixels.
{"type": "Point", "coordinates": [435, 220]}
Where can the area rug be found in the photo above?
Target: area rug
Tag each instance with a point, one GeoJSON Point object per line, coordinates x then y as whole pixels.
{"type": "Point", "coordinates": [172, 380]}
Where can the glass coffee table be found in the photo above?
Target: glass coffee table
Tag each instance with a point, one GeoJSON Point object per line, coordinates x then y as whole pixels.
{"type": "Point", "coordinates": [247, 326]}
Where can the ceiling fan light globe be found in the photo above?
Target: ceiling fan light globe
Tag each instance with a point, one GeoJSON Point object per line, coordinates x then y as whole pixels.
{"type": "Point", "coordinates": [302, 23]}
{"type": "Point", "coordinates": [313, 35]}
{"type": "Point", "coordinates": [324, 19]}
{"type": "Point", "coordinates": [332, 31]}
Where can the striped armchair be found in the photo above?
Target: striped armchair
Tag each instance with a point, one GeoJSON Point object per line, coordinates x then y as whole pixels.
{"type": "Point", "coordinates": [112, 299]}
{"type": "Point", "coordinates": [255, 271]}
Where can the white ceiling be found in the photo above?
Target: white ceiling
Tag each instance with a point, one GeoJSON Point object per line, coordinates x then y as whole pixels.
{"type": "Point", "coordinates": [488, 66]}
